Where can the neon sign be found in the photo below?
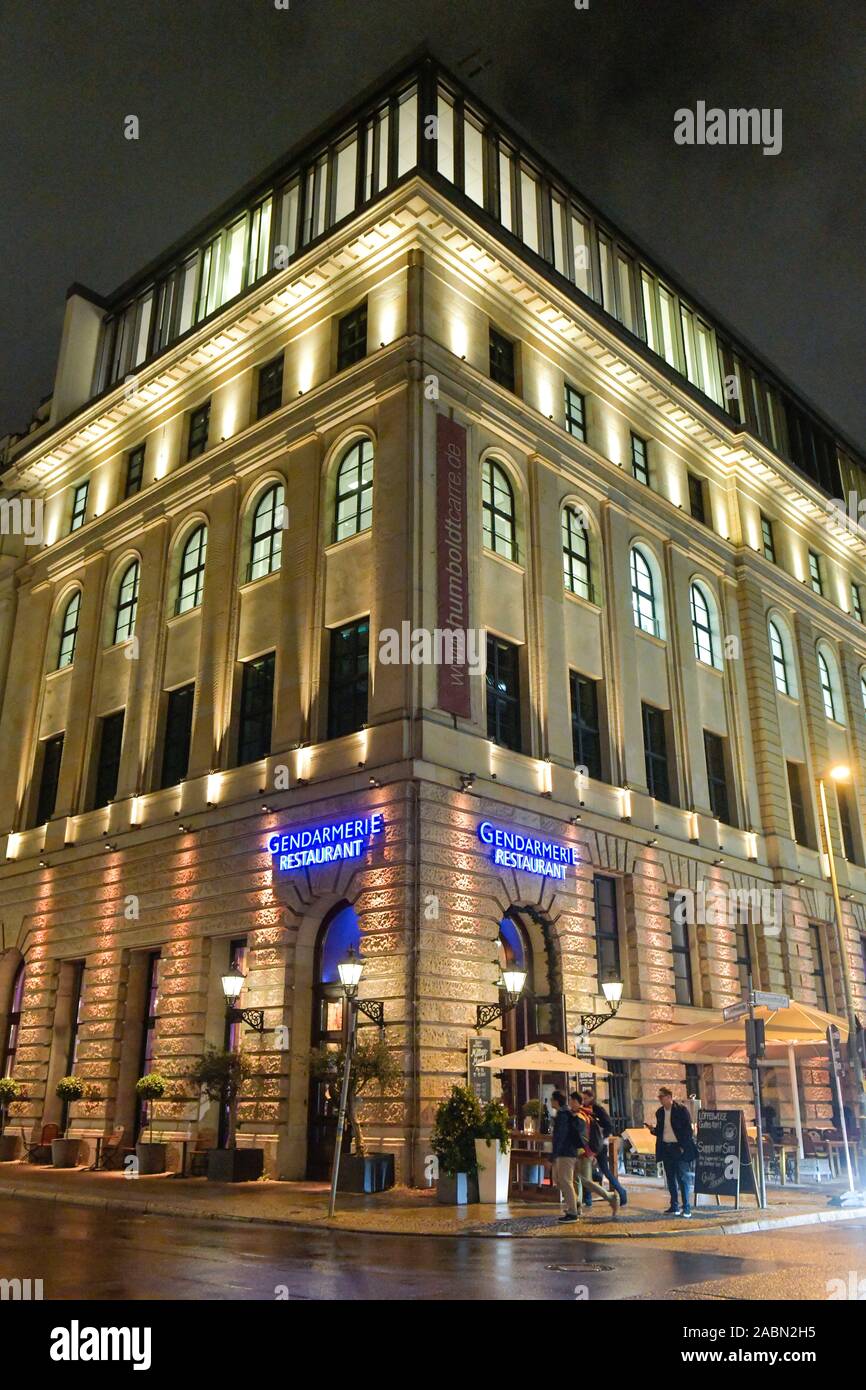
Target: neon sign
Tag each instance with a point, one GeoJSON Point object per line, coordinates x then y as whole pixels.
{"type": "Point", "coordinates": [514, 850]}
{"type": "Point", "coordinates": [326, 844]}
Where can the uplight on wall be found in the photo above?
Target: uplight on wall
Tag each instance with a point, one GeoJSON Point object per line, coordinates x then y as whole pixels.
{"type": "Point", "coordinates": [614, 444]}
{"type": "Point", "coordinates": [303, 760]}
{"type": "Point", "coordinates": [459, 336]}
{"type": "Point", "coordinates": [624, 803]}
{"type": "Point", "coordinates": [214, 786]}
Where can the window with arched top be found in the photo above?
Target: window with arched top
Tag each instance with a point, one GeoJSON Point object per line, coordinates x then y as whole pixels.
{"type": "Point", "coordinates": [779, 657]}
{"type": "Point", "coordinates": [644, 599]}
{"type": "Point", "coordinates": [69, 631]}
{"type": "Point", "coordinates": [831, 690]}
{"type": "Point", "coordinates": [190, 585]}
{"type": "Point", "coordinates": [497, 510]}
{"type": "Point", "coordinates": [339, 933]}
{"type": "Point", "coordinates": [702, 626]}
{"type": "Point", "coordinates": [863, 689]}
{"type": "Point", "coordinates": [576, 561]}
{"type": "Point", "coordinates": [266, 538]}
{"type": "Point", "coordinates": [353, 503]}
{"type": "Point", "coordinates": [13, 1023]}
{"type": "Point", "coordinates": [127, 603]}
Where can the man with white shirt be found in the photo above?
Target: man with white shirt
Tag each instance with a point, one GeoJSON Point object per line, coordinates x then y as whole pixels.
{"type": "Point", "coordinates": [676, 1149]}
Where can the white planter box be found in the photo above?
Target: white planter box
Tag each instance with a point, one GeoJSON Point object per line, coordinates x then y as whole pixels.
{"type": "Point", "coordinates": [494, 1167]}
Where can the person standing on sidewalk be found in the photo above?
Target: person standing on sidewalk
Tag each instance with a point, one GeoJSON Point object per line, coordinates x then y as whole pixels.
{"type": "Point", "coordinates": [600, 1118]}
{"type": "Point", "coordinates": [567, 1136]}
{"type": "Point", "coordinates": [587, 1157]}
{"type": "Point", "coordinates": [676, 1150]}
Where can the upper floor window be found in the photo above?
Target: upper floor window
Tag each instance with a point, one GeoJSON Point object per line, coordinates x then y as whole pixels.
{"type": "Point", "coordinates": [349, 678]}
{"type": "Point", "coordinates": [191, 579]}
{"type": "Point", "coordinates": [69, 631]}
{"type": "Point", "coordinates": [575, 412]}
{"type": "Point", "coordinates": [127, 604]}
{"type": "Point", "coordinates": [697, 498]}
{"type": "Point", "coordinates": [497, 505]}
{"type": "Point", "coordinates": [266, 542]}
{"type": "Point", "coordinates": [639, 459]}
{"type": "Point", "coordinates": [134, 472]}
{"type": "Point", "coordinates": [781, 675]}
{"type": "Point", "coordinates": [352, 337]}
{"type": "Point", "coordinates": [768, 540]}
{"type": "Point", "coordinates": [354, 500]}
{"type": "Point", "coordinates": [79, 506]}
{"type": "Point", "coordinates": [575, 553]}
{"type": "Point", "coordinates": [502, 366]}
{"type": "Point", "coordinates": [816, 578]}
{"type": "Point", "coordinates": [830, 692]}
{"type": "Point", "coordinates": [256, 709]}
{"type": "Point", "coordinates": [643, 594]}
{"type": "Point", "coordinates": [702, 627]}
{"type": "Point", "coordinates": [199, 424]}
{"type": "Point", "coordinates": [503, 693]}
{"type": "Point", "coordinates": [863, 689]}
{"type": "Point", "coordinates": [856, 601]}
{"type": "Point", "coordinates": [270, 388]}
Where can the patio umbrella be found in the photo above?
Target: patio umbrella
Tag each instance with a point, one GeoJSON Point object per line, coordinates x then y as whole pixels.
{"type": "Point", "coordinates": [798, 1026]}
{"type": "Point", "coordinates": [544, 1057]}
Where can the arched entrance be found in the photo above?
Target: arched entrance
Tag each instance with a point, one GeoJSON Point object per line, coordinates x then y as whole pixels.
{"type": "Point", "coordinates": [338, 933]}
{"type": "Point", "coordinates": [525, 943]}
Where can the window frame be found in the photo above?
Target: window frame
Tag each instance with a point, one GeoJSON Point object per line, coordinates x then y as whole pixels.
{"type": "Point", "coordinates": [198, 431]}
{"type": "Point", "coordinates": [576, 556]}
{"type": "Point", "coordinates": [68, 633]}
{"type": "Point", "coordinates": [78, 515]}
{"type": "Point", "coordinates": [270, 400]}
{"type": "Point", "coordinates": [359, 456]}
{"type": "Point", "coordinates": [271, 535]}
{"type": "Point", "coordinates": [349, 688]}
{"type": "Point", "coordinates": [575, 418]}
{"type": "Point", "coordinates": [192, 570]}
{"type": "Point", "coordinates": [352, 330]}
{"type": "Point", "coordinates": [134, 479]}
{"type": "Point", "coordinates": [504, 715]}
{"type": "Point", "coordinates": [126, 608]}
{"type": "Point", "coordinates": [495, 478]}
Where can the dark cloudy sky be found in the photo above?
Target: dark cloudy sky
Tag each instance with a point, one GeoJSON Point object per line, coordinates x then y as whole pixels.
{"type": "Point", "coordinates": [222, 87]}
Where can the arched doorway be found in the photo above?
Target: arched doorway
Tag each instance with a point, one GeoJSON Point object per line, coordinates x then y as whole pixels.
{"type": "Point", "coordinates": [12, 1024]}
{"type": "Point", "coordinates": [539, 1015]}
{"type": "Point", "coordinates": [339, 933]}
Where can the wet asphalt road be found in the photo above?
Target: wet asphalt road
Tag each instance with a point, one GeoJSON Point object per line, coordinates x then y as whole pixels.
{"type": "Point", "coordinates": [81, 1253]}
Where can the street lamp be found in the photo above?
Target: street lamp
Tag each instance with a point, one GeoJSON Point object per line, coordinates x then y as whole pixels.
{"type": "Point", "coordinates": [611, 988]}
{"type": "Point", "coordinates": [837, 774]}
{"type": "Point", "coordinates": [233, 982]}
{"type": "Point", "coordinates": [511, 983]}
{"type": "Point", "coordinates": [350, 971]}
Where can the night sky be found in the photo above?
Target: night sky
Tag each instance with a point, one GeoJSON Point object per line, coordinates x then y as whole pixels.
{"type": "Point", "coordinates": [222, 87]}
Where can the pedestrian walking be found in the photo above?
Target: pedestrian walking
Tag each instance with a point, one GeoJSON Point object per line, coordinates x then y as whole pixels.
{"type": "Point", "coordinates": [602, 1154]}
{"type": "Point", "coordinates": [591, 1142]}
{"type": "Point", "coordinates": [567, 1137]}
{"type": "Point", "coordinates": [676, 1150]}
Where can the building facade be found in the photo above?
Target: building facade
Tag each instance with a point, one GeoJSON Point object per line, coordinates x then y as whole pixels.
{"type": "Point", "coordinates": [407, 383]}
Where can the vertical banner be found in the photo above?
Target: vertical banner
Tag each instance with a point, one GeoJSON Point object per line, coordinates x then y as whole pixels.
{"type": "Point", "coordinates": [452, 564]}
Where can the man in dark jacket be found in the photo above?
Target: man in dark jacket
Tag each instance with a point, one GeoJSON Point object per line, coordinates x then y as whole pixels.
{"type": "Point", "coordinates": [676, 1149]}
{"type": "Point", "coordinates": [568, 1141]}
{"type": "Point", "coordinates": [587, 1100]}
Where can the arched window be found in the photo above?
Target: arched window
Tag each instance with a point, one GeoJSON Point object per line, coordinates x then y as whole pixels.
{"type": "Point", "coordinates": [266, 544]}
{"type": "Point", "coordinates": [780, 660]}
{"type": "Point", "coordinates": [191, 579]}
{"type": "Point", "coordinates": [702, 628]}
{"type": "Point", "coordinates": [830, 692]}
{"type": "Point", "coordinates": [575, 553]}
{"type": "Point", "coordinates": [339, 933]}
{"type": "Point", "coordinates": [515, 953]}
{"type": "Point", "coordinates": [13, 1023]}
{"type": "Point", "coordinates": [863, 689]}
{"type": "Point", "coordinates": [69, 631]}
{"type": "Point", "coordinates": [353, 508]}
{"type": "Point", "coordinates": [497, 506]}
{"type": "Point", "coordinates": [127, 604]}
{"type": "Point", "coordinates": [643, 594]}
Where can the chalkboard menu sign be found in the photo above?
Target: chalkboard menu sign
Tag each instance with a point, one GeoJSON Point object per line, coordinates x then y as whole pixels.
{"type": "Point", "coordinates": [724, 1166]}
{"type": "Point", "coordinates": [479, 1050]}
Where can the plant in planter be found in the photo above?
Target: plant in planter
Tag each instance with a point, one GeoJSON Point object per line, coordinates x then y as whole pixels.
{"type": "Point", "coordinates": [65, 1152]}
{"type": "Point", "coordinates": [458, 1120]}
{"type": "Point", "coordinates": [492, 1153]}
{"type": "Point", "coordinates": [10, 1091]}
{"type": "Point", "coordinates": [221, 1076]}
{"type": "Point", "coordinates": [150, 1156]}
{"type": "Point", "coordinates": [531, 1112]}
{"type": "Point", "coordinates": [373, 1065]}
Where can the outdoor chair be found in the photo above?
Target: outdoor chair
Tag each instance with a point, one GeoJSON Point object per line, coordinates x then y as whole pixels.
{"type": "Point", "coordinates": [39, 1150]}
{"type": "Point", "coordinates": [110, 1152]}
{"type": "Point", "coordinates": [205, 1141]}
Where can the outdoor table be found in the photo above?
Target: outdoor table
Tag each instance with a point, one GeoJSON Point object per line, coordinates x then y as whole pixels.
{"type": "Point", "coordinates": [836, 1149]}
{"type": "Point", "coordinates": [527, 1151]}
{"type": "Point", "coordinates": [786, 1147]}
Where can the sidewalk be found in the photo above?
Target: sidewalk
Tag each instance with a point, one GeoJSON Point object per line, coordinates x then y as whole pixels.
{"type": "Point", "coordinates": [407, 1211]}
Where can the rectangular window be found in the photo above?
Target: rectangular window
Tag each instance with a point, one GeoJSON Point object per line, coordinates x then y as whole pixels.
{"type": "Point", "coordinates": [445, 135]}
{"type": "Point", "coordinates": [856, 601]}
{"type": "Point", "coordinates": [697, 498]}
{"type": "Point", "coordinates": [744, 955]}
{"type": "Point", "coordinates": [349, 678]}
{"type": "Point", "coordinates": [270, 393]}
{"type": "Point", "coordinates": [257, 709]}
{"type": "Point", "coordinates": [186, 296]}
{"type": "Point", "coordinates": [717, 776]}
{"type": "Point", "coordinates": [503, 693]}
{"type": "Point", "coordinates": [667, 318]}
{"type": "Point", "coordinates": [619, 1093]}
{"type": "Point", "coordinates": [819, 978]}
{"type": "Point", "coordinates": [529, 208]}
{"type": "Point", "coordinates": [199, 424]}
{"type": "Point", "coordinates": [473, 161]}
{"type": "Point", "coordinates": [502, 360]}
{"type": "Point", "coordinates": [682, 955]}
{"type": "Point", "coordinates": [798, 805]}
{"type": "Point", "coordinates": [49, 777]}
{"type": "Point", "coordinates": [608, 288]}
{"type": "Point", "coordinates": [581, 250]}
{"type": "Point", "coordinates": [352, 337]}
{"type": "Point", "coordinates": [768, 539]}
{"type": "Point", "coordinates": [233, 268]}
{"type": "Point", "coordinates": [178, 732]}
{"type": "Point", "coordinates": [639, 459]}
{"type": "Point", "coordinates": [608, 963]}
{"type": "Point", "coordinates": [623, 266]}
{"type": "Point", "coordinates": [656, 753]}
{"type": "Point", "coordinates": [816, 578]}
{"type": "Point", "coordinates": [79, 506]}
{"type": "Point", "coordinates": [560, 234]}
{"type": "Point", "coordinates": [647, 285]}
{"type": "Point", "coordinates": [407, 132]}
{"type": "Point", "coordinates": [585, 729]}
{"type": "Point", "coordinates": [575, 413]}
{"type": "Point", "coordinates": [287, 225]}
{"type": "Point", "coordinates": [345, 173]}
{"type": "Point", "coordinates": [260, 242]}
{"type": "Point", "coordinates": [847, 820]}
{"type": "Point", "coordinates": [110, 741]}
{"type": "Point", "coordinates": [134, 472]}
{"type": "Point", "coordinates": [506, 196]}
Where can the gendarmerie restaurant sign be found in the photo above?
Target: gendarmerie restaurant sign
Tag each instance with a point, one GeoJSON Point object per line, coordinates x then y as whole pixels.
{"type": "Point", "coordinates": [516, 849]}
{"type": "Point", "coordinates": [324, 844]}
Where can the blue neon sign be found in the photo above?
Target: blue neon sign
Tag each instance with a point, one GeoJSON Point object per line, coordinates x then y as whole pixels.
{"type": "Point", "coordinates": [515, 850]}
{"type": "Point", "coordinates": [324, 844]}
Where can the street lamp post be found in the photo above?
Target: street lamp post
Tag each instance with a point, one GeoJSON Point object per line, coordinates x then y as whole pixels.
{"type": "Point", "coordinates": [350, 971]}
{"type": "Point", "coordinates": [233, 983]}
{"type": "Point", "coordinates": [612, 991]}
{"type": "Point", "coordinates": [843, 774]}
{"type": "Point", "coordinates": [512, 983]}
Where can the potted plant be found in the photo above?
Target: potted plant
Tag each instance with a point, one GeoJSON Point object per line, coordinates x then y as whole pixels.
{"type": "Point", "coordinates": [531, 1112]}
{"type": "Point", "coordinates": [65, 1152]}
{"type": "Point", "coordinates": [150, 1156]}
{"type": "Point", "coordinates": [492, 1153]}
{"type": "Point", "coordinates": [458, 1119]}
{"type": "Point", "coordinates": [221, 1075]}
{"type": "Point", "coordinates": [373, 1065]}
{"type": "Point", "coordinates": [10, 1091]}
